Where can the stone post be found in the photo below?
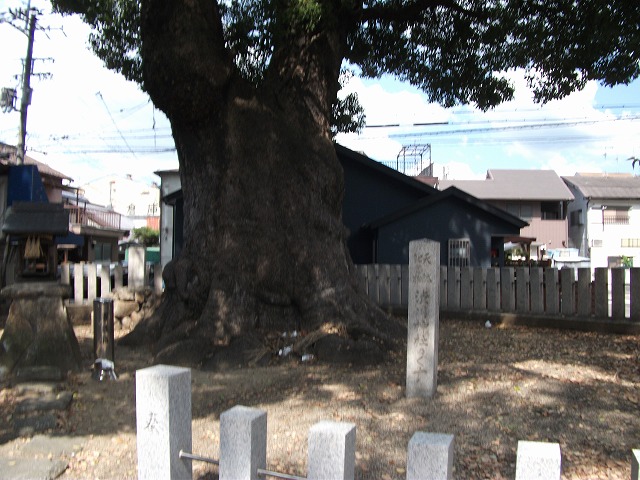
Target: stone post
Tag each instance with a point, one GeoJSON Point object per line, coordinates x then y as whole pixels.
{"type": "Point", "coordinates": [538, 461]}
{"type": "Point", "coordinates": [507, 289]}
{"type": "Point", "coordinates": [243, 443]}
{"type": "Point", "coordinates": [552, 297]}
{"type": "Point", "coordinates": [635, 462]}
{"type": "Point", "coordinates": [332, 451]}
{"type": "Point", "coordinates": [466, 288]}
{"type": "Point", "coordinates": [493, 289]}
{"type": "Point", "coordinates": [453, 287]}
{"type": "Point", "coordinates": [583, 292]}
{"type": "Point", "coordinates": [479, 289]}
{"type": "Point", "coordinates": [635, 294]}
{"type": "Point", "coordinates": [163, 422]}
{"type": "Point", "coordinates": [537, 291]}
{"type": "Point", "coordinates": [568, 299]}
{"type": "Point", "coordinates": [618, 293]}
{"type": "Point", "coordinates": [423, 318]}
{"type": "Point", "coordinates": [430, 455]}
{"type": "Point", "coordinates": [601, 292]}
{"type": "Point", "coordinates": [522, 289]}
{"type": "Point", "coordinates": [135, 266]}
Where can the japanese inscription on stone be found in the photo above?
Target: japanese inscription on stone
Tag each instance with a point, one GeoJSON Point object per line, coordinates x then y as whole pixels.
{"type": "Point", "coordinates": [423, 319]}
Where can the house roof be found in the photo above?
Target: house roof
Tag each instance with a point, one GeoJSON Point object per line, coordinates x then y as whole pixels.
{"type": "Point", "coordinates": [36, 217]}
{"type": "Point", "coordinates": [10, 159]}
{"type": "Point", "coordinates": [450, 192]}
{"type": "Point", "coordinates": [345, 153]}
{"type": "Point", "coordinates": [515, 185]}
{"type": "Point", "coordinates": [605, 185]}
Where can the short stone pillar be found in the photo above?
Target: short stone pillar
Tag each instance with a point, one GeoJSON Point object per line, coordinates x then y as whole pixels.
{"type": "Point", "coordinates": [332, 451]}
{"type": "Point", "coordinates": [423, 319]}
{"type": "Point", "coordinates": [243, 443]}
{"type": "Point", "coordinates": [430, 455]}
{"type": "Point", "coordinates": [136, 266]}
{"type": "Point", "coordinates": [38, 336]}
{"type": "Point", "coordinates": [538, 461]}
{"type": "Point", "coordinates": [635, 463]}
{"type": "Point", "coordinates": [163, 422]}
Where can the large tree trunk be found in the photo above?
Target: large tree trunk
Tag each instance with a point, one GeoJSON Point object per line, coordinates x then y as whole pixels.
{"type": "Point", "coordinates": [264, 241]}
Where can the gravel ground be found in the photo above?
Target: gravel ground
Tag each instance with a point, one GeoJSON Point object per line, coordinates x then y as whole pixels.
{"type": "Point", "coordinates": [495, 387]}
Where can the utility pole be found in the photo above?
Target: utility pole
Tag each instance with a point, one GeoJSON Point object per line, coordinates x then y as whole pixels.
{"type": "Point", "coordinates": [25, 99]}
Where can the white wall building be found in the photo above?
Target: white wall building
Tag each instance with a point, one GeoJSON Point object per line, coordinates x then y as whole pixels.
{"type": "Point", "coordinates": [136, 201]}
{"type": "Point", "coordinates": [604, 218]}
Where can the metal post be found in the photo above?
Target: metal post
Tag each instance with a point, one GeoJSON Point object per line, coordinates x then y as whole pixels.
{"type": "Point", "coordinates": [103, 339]}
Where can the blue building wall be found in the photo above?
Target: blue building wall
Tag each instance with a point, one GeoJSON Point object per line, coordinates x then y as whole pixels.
{"type": "Point", "coordinates": [25, 185]}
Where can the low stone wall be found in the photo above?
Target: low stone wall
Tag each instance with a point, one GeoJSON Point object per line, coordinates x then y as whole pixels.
{"type": "Point", "coordinates": [130, 306]}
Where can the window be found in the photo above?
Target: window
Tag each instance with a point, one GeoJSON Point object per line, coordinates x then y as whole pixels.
{"type": "Point", "coordinates": [459, 252]}
{"type": "Point", "coordinates": [551, 210]}
{"type": "Point", "coordinates": [630, 242]}
{"type": "Point", "coordinates": [615, 215]}
{"type": "Point", "coordinates": [521, 210]}
{"type": "Point", "coordinates": [102, 251]}
{"type": "Point", "coordinates": [576, 218]}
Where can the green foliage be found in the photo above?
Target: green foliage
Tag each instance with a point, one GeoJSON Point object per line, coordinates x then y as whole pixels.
{"type": "Point", "coordinates": [146, 236]}
{"type": "Point", "coordinates": [456, 51]}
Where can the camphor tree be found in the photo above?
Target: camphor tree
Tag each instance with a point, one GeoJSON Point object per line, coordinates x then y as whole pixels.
{"type": "Point", "coordinates": [248, 87]}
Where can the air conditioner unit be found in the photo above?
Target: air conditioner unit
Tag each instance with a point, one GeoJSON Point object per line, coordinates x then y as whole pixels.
{"type": "Point", "coordinates": [596, 243]}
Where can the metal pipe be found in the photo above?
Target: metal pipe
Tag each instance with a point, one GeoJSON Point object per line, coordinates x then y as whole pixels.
{"type": "Point", "coordinates": [269, 473]}
{"type": "Point", "coordinates": [261, 471]}
{"type": "Point", "coordinates": [191, 456]}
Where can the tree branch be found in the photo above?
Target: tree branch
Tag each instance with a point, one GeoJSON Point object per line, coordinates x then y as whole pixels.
{"type": "Point", "coordinates": [408, 11]}
{"type": "Point", "coordinates": [185, 59]}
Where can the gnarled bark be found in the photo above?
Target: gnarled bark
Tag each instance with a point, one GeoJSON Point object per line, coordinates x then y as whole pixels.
{"type": "Point", "coordinates": [264, 241]}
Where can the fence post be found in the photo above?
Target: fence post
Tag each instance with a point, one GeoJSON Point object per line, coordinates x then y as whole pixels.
{"type": "Point", "coordinates": [444, 303]}
{"type": "Point", "coordinates": [243, 443]}
{"type": "Point", "coordinates": [384, 272]}
{"type": "Point", "coordinates": [567, 298]}
{"type": "Point", "coordinates": [372, 283]}
{"type": "Point", "coordinates": [78, 282]}
{"type": "Point", "coordinates": [538, 460]}
{"type": "Point", "coordinates": [537, 290]}
{"type": "Point", "coordinates": [618, 293]}
{"type": "Point", "coordinates": [92, 282]}
{"type": "Point", "coordinates": [601, 292]}
{"type": "Point", "coordinates": [635, 294]}
{"type": "Point", "coordinates": [479, 289]}
{"type": "Point", "coordinates": [163, 422]}
{"type": "Point", "coordinates": [493, 289]}
{"type": "Point", "coordinates": [552, 297]}
{"type": "Point", "coordinates": [118, 276]}
{"type": "Point", "coordinates": [506, 287]}
{"type": "Point", "coordinates": [65, 275]}
{"type": "Point", "coordinates": [466, 288]}
{"type": "Point", "coordinates": [453, 288]}
{"type": "Point", "coordinates": [332, 451]}
{"type": "Point", "coordinates": [430, 455]}
{"type": "Point", "coordinates": [105, 281]}
{"type": "Point", "coordinates": [635, 462]}
{"type": "Point", "coordinates": [583, 292]}
{"type": "Point", "coordinates": [522, 289]}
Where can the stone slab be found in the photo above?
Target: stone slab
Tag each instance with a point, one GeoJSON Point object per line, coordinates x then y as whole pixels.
{"type": "Point", "coordinates": [430, 455]}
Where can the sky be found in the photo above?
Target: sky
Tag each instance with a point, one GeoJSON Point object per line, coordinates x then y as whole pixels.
{"type": "Point", "coordinates": [88, 122]}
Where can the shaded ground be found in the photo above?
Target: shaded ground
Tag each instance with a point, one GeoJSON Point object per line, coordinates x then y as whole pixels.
{"type": "Point", "coordinates": [495, 387]}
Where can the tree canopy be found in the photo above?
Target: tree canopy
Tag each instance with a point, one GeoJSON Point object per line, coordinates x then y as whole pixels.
{"type": "Point", "coordinates": [456, 51]}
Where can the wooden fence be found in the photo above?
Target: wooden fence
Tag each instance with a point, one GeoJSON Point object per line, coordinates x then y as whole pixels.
{"type": "Point", "coordinates": [604, 293]}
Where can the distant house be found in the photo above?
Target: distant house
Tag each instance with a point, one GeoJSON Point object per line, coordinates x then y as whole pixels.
{"type": "Point", "coordinates": [383, 211]}
{"type": "Point", "coordinates": [539, 197]}
{"type": "Point", "coordinates": [33, 199]}
{"type": "Point", "coordinates": [604, 219]}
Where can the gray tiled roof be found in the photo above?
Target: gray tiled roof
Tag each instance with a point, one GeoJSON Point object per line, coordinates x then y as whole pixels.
{"type": "Point", "coordinates": [36, 217]}
{"type": "Point", "coordinates": [606, 185]}
{"type": "Point", "coordinates": [514, 185]}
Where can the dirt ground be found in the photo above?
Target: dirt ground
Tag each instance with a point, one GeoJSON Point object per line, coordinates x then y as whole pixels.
{"type": "Point", "coordinates": [495, 386]}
